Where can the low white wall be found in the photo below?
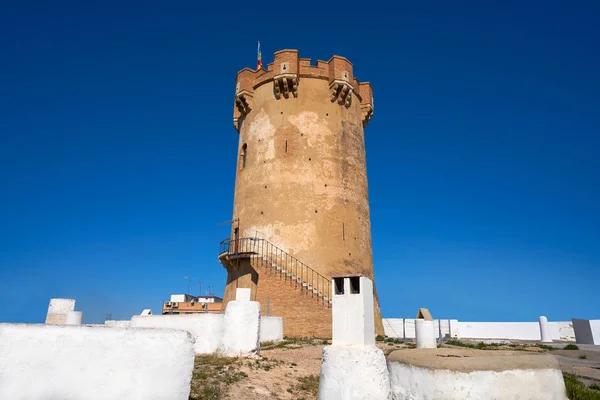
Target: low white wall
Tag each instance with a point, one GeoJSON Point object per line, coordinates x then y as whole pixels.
{"type": "Point", "coordinates": [514, 330]}
{"type": "Point", "coordinates": [587, 331]}
{"type": "Point", "coordinates": [118, 324]}
{"type": "Point", "coordinates": [404, 328]}
{"type": "Point", "coordinates": [562, 331]}
{"type": "Point", "coordinates": [51, 362]}
{"type": "Point", "coordinates": [205, 328]}
{"type": "Point", "coordinates": [500, 330]}
{"type": "Point", "coordinates": [415, 383]}
{"type": "Point", "coordinates": [271, 329]}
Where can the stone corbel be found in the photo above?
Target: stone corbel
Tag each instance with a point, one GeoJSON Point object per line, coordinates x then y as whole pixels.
{"type": "Point", "coordinates": [367, 113]}
{"type": "Point", "coordinates": [284, 84]}
{"type": "Point", "coordinates": [342, 92]}
{"type": "Point", "coordinates": [243, 102]}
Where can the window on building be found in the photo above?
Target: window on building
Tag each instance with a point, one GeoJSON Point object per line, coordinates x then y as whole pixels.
{"type": "Point", "coordinates": [244, 154]}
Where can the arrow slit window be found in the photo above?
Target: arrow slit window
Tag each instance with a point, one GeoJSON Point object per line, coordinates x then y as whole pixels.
{"type": "Point", "coordinates": [244, 155]}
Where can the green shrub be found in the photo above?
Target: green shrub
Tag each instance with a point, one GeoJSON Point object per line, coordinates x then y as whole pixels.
{"type": "Point", "coordinates": [582, 357]}
{"type": "Point", "coordinates": [571, 347]}
{"type": "Point", "coordinates": [480, 345]}
{"type": "Point", "coordinates": [576, 389]}
{"type": "Point", "coordinates": [309, 383]}
{"type": "Point", "coordinates": [379, 338]}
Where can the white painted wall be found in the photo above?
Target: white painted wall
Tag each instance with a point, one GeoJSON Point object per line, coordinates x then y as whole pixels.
{"type": "Point", "coordinates": [52, 362]}
{"type": "Point", "coordinates": [205, 328]}
{"type": "Point", "coordinates": [352, 313]}
{"type": "Point", "coordinates": [271, 329]}
{"type": "Point", "coordinates": [587, 331]}
{"type": "Point", "coordinates": [514, 330]}
{"type": "Point", "coordinates": [181, 298]}
{"type": "Point", "coordinates": [395, 327]}
{"type": "Point", "coordinates": [414, 383]}
{"type": "Point", "coordinates": [405, 328]}
{"type": "Point", "coordinates": [595, 326]}
{"type": "Point", "coordinates": [353, 373]}
{"type": "Point", "coordinates": [119, 324]}
{"type": "Point", "coordinates": [500, 330]}
{"type": "Point", "coordinates": [562, 331]}
{"type": "Point", "coordinates": [210, 299]}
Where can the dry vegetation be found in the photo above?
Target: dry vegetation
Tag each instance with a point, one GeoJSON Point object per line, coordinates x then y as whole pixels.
{"type": "Point", "coordinates": [290, 370]}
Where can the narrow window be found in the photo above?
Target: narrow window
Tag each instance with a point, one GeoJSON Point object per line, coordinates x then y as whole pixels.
{"type": "Point", "coordinates": [343, 232]}
{"type": "Point", "coordinates": [355, 285]}
{"type": "Point", "coordinates": [244, 153]}
{"type": "Point", "coordinates": [339, 285]}
{"type": "Point", "coordinates": [286, 146]}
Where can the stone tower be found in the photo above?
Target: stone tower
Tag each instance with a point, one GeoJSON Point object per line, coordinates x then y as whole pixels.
{"type": "Point", "coordinates": [301, 206]}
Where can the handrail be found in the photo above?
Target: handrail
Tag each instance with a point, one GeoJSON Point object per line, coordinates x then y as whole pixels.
{"type": "Point", "coordinates": [287, 265]}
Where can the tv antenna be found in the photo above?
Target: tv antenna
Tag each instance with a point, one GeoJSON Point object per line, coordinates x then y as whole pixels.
{"type": "Point", "coordinates": [189, 279]}
{"type": "Point", "coordinates": [200, 284]}
{"type": "Point", "coordinates": [236, 221]}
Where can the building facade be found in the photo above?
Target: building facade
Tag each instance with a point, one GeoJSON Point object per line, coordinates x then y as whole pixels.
{"type": "Point", "coordinates": [188, 304]}
{"type": "Point", "coordinates": [301, 207]}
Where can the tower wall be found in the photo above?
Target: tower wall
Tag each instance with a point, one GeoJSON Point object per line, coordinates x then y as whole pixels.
{"type": "Point", "coordinates": [301, 180]}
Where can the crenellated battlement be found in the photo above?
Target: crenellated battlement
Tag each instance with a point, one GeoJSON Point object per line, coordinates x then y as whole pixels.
{"type": "Point", "coordinates": [286, 72]}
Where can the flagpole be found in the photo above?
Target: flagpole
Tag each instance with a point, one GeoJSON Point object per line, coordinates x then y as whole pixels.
{"type": "Point", "coordinates": [258, 57]}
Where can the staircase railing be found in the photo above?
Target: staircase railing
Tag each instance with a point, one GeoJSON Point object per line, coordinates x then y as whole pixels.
{"type": "Point", "coordinates": [280, 262]}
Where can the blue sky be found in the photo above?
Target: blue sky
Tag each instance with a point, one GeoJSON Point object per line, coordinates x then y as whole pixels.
{"type": "Point", "coordinates": [117, 151]}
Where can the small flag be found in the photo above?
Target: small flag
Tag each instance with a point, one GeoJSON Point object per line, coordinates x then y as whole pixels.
{"type": "Point", "coordinates": [258, 57]}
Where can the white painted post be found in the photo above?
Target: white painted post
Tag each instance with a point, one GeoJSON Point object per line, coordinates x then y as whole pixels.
{"type": "Point", "coordinates": [74, 318]}
{"type": "Point", "coordinates": [425, 334]}
{"type": "Point", "coordinates": [545, 330]}
{"type": "Point", "coordinates": [58, 309]}
{"type": "Point", "coordinates": [243, 294]}
{"type": "Point", "coordinates": [352, 311]}
{"type": "Point", "coordinates": [353, 368]}
{"type": "Point", "coordinates": [240, 334]}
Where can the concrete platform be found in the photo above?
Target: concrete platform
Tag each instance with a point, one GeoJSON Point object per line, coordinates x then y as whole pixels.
{"type": "Point", "coordinates": [444, 373]}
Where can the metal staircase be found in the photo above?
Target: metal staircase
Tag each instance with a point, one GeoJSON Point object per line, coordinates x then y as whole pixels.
{"type": "Point", "coordinates": [265, 254]}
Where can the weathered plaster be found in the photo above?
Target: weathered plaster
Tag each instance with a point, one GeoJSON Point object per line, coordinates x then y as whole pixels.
{"type": "Point", "coordinates": [52, 362]}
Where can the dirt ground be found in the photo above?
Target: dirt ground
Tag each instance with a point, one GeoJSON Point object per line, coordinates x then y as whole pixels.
{"type": "Point", "coordinates": [285, 370]}
{"type": "Point", "coordinates": [290, 370]}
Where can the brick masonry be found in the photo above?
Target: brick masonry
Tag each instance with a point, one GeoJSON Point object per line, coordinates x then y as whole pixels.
{"type": "Point", "coordinates": [304, 314]}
